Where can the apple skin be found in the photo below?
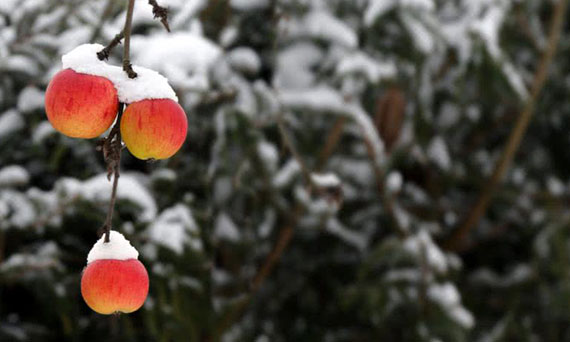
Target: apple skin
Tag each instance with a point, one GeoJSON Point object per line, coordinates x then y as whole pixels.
{"type": "Point", "coordinates": [109, 286]}
{"type": "Point", "coordinates": [154, 128]}
{"type": "Point", "coordinates": [80, 105]}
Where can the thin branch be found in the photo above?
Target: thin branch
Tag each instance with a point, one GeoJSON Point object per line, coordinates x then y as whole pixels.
{"type": "Point", "coordinates": [456, 240]}
{"type": "Point", "coordinates": [332, 141]}
{"type": "Point", "coordinates": [111, 147]}
{"type": "Point", "coordinates": [160, 12]}
{"type": "Point", "coordinates": [127, 67]}
{"type": "Point", "coordinates": [291, 147]}
{"type": "Point", "coordinates": [104, 54]}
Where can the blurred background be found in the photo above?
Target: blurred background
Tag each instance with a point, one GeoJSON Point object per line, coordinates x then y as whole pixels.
{"type": "Point", "coordinates": [330, 186]}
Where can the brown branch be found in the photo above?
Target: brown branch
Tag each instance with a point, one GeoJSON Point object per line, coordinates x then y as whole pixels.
{"type": "Point", "coordinates": [291, 147]}
{"type": "Point", "coordinates": [455, 242]}
{"type": "Point", "coordinates": [160, 12]}
{"type": "Point", "coordinates": [111, 147]}
{"type": "Point", "coordinates": [127, 67]}
{"type": "Point", "coordinates": [332, 141]}
{"type": "Point", "coordinates": [104, 54]}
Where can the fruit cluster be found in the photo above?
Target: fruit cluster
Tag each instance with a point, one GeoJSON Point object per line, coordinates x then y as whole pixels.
{"type": "Point", "coordinates": [82, 101]}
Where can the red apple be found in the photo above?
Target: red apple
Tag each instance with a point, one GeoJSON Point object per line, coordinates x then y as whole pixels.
{"type": "Point", "coordinates": [154, 128]}
{"type": "Point", "coordinates": [109, 286]}
{"type": "Point", "coordinates": [81, 105]}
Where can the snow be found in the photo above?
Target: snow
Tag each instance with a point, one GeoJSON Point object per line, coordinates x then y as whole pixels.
{"type": "Point", "coordinates": [118, 248]}
{"type": "Point", "coordinates": [325, 180]}
{"type": "Point", "coordinates": [376, 9]}
{"type": "Point", "coordinates": [326, 99]}
{"type": "Point", "coordinates": [360, 63]}
{"type": "Point", "coordinates": [13, 175]}
{"type": "Point", "coordinates": [438, 153]}
{"type": "Point", "coordinates": [249, 5]}
{"type": "Point", "coordinates": [286, 174]}
{"type": "Point", "coordinates": [422, 37]}
{"type": "Point", "coordinates": [434, 256]}
{"type": "Point", "coordinates": [225, 228]}
{"type": "Point", "coordinates": [45, 257]}
{"type": "Point", "coordinates": [15, 210]}
{"type": "Point", "coordinates": [488, 28]}
{"type": "Point", "coordinates": [519, 274]}
{"type": "Point", "coordinates": [294, 66]}
{"type": "Point", "coordinates": [10, 122]}
{"type": "Point", "coordinates": [148, 84]}
{"type": "Point", "coordinates": [394, 182]}
{"type": "Point", "coordinates": [98, 188]}
{"type": "Point", "coordinates": [190, 58]}
{"type": "Point", "coordinates": [31, 98]}
{"type": "Point", "coordinates": [268, 154]}
{"type": "Point", "coordinates": [43, 130]}
{"type": "Point", "coordinates": [447, 296]}
{"type": "Point", "coordinates": [555, 186]}
{"type": "Point", "coordinates": [174, 228]}
{"type": "Point", "coordinates": [323, 25]}
{"type": "Point", "coordinates": [244, 59]}
{"type": "Point", "coordinates": [353, 238]}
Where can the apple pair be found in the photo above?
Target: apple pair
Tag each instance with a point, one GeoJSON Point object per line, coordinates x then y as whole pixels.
{"type": "Point", "coordinates": [84, 106]}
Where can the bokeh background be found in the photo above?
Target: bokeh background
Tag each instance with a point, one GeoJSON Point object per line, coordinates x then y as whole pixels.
{"type": "Point", "coordinates": [405, 106]}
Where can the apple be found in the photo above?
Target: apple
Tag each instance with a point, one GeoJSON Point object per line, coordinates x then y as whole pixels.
{"type": "Point", "coordinates": [154, 128]}
{"type": "Point", "coordinates": [109, 286]}
{"type": "Point", "coordinates": [81, 105]}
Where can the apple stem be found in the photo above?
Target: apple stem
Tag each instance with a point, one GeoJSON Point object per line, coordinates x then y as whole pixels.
{"type": "Point", "coordinates": [112, 147]}
{"type": "Point", "coordinates": [127, 67]}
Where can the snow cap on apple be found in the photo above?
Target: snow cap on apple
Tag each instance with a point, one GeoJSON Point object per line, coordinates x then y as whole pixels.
{"type": "Point", "coordinates": [114, 280]}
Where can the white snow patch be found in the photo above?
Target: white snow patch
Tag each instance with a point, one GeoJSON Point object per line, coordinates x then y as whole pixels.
{"type": "Point", "coordinates": [174, 228]}
{"type": "Point", "coordinates": [268, 154]}
{"type": "Point", "coordinates": [325, 180]}
{"type": "Point", "coordinates": [118, 248]}
{"type": "Point", "coordinates": [98, 188]}
{"type": "Point", "coordinates": [376, 9]}
{"type": "Point", "coordinates": [249, 5]}
{"type": "Point", "coordinates": [225, 228]}
{"type": "Point", "coordinates": [149, 84]}
{"type": "Point", "coordinates": [394, 182]}
{"type": "Point", "coordinates": [422, 241]}
{"type": "Point", "coordinates": [358, 240]}
{"type": "Point", "coordinates": [438, 153]}
{"type": "Point", "coordinates": [360, 63]}
{"type": "Point", "coordinates": [323, 25]}
{"type": "Point", "coordinates": [43, 130]}
{"type": "Point", "coordinates": [447, 296]}
{"type": "Point", "coordinates": [190, 58]}
{"type": "Point", "coordinates": [13, 175]}
{"type": "Point", "coordinates": [10, 121]}
{"type": "Point", "coordinates": [244, 59]}
{"type": "Point", "coordinates": [286, 174]}
{"type": "Point", "coordinates": [30, 98]}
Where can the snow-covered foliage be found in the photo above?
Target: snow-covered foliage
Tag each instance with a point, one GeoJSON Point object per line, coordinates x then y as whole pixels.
{"type": "Point", "coordinates": [398, 109]}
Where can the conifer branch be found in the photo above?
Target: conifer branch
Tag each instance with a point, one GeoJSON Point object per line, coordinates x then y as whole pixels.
{"type": "Point", "coordinates": [457, 239]}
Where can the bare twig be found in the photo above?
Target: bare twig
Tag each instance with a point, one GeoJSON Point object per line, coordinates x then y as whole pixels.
{"type": "Point", "coordinates": [160, 12]}
{"type": "Point", "coordinates": [111, 147]}
{"type": "Point", "coordinates": [127, 67]}
{"type": "Point", "coordinates": [291, 147]}
{"type": "Point", "coordinates": [456, 240]}
{"type": "Point", "coordinates": [332, 141]}
{"type": "Point", "coordinates": [104, 54]}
